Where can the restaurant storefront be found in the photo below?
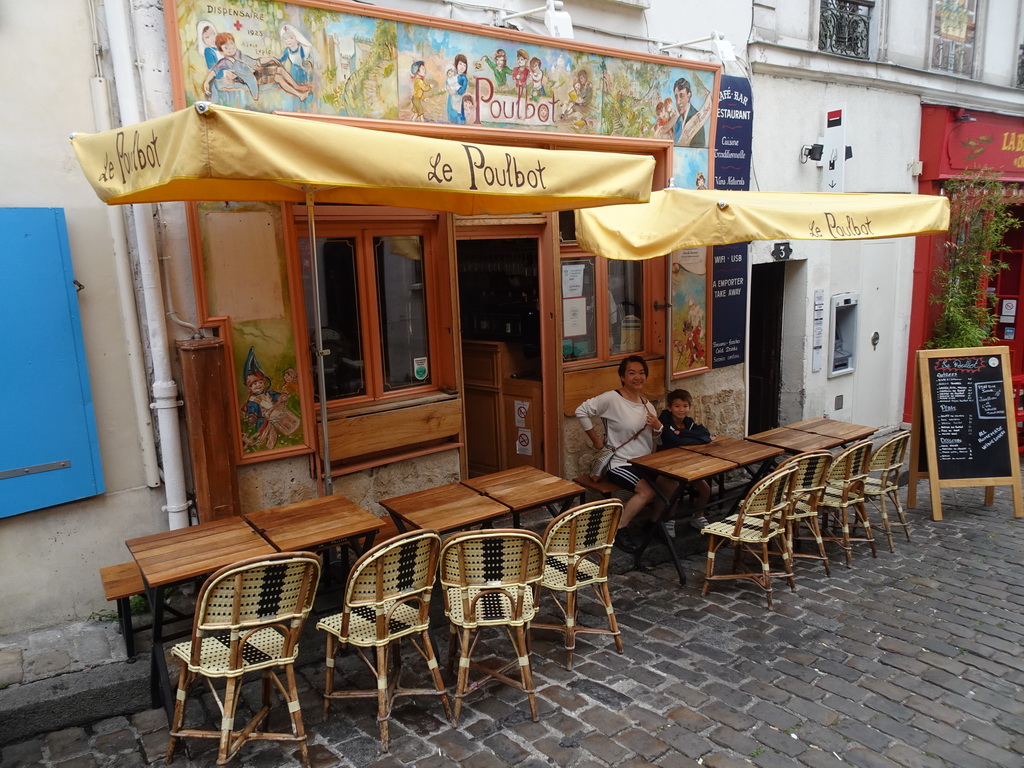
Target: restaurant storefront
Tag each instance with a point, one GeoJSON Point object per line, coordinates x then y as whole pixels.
{"type": "Point", "coordinates": [455, 345]}
{"type": "Point", "coordinates": [955, 140]}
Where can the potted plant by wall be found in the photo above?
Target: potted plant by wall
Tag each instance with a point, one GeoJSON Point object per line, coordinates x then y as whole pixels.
{"type": "Point", "coordinates": [979, 217]}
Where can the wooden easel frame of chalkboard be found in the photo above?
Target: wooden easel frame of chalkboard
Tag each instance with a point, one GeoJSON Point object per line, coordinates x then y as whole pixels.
{"type": "Point", "coordinates": [961, 377]}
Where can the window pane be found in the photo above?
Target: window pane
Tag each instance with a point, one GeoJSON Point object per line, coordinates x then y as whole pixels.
{"type": "Point", "coordinates": [339, 308]}
{"type": "Point", "coordinates": [403, 311]}
{"type": "Point", "coordinates": [579, 332]}
{"type": "Point", "coordinates": [625, 306]}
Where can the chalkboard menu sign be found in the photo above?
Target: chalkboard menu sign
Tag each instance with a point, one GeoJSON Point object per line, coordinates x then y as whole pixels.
{"type": "Point", "coordinates": [964, 431]}
{"type": "Point", "coordinates": [969, 416]}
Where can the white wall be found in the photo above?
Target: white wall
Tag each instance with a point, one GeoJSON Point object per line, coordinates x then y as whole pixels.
{"type": "Point", "coordinates": [51, 557]}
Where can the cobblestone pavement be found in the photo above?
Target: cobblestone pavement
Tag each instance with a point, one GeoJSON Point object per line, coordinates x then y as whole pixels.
{"type": "Point", "coordinates": [913, 659]}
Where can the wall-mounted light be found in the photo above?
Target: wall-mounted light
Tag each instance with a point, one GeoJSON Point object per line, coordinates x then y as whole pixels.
{"type": "Point", "coordinates": [811, 152]}
{"type": "Point", "coordinates": [814, 152]}
{"type": "Point", "coordinates": [963, 116]}
{"type": "Point", "coordinates": [726, 51]}
{"type": "Point", "coordinates": [557, 21]}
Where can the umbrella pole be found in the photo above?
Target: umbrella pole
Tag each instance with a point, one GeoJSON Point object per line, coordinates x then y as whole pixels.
{"type": "Point", "coordinates": [321, 380]}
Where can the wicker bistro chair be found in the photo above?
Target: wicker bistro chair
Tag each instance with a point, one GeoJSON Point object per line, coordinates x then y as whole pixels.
{"type": "Point", "coordinates": [808, 487]}
{"type": "Point", "coordinates": [844, 492]}
{"type": "Point", "coordinates": [490, 579]}
{"type": "Point", "coordinates": [577, 550]}
{"type": "Point", "coordinates": [882, 480]}
{"type": "Point", "coordinates": [248, 618]}
{"type": "Point", "coordinates": [387, 598]}
{"type": "Point", "coordinates": [758, 524]}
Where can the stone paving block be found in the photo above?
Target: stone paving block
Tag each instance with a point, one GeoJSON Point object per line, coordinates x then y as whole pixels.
{"type": "Point", "coordinates": [865, 758]}
{"type": "Point", "coordinates": [70, 742]}
{"type": "Point", "coordinates": [992, 752]}
{"type": "Point", "coordinates": [22, 755]}
{"type": "Point", "coordinates": [934, 710]}
{"type": "Point", "coordinates": [604, 720]}
{"type": "Point", "coordinates": [719, 760]}
{"type": "Point", "coordinates": [938, 730]}
{"type": "Point", "coordinates": [11, 669]}
{"type": "Point", "coordinates": [907, 757]}
{"type": "Point", "coordinates": [733, 739]}
{"type": "Point", "coordinates": [953, 755]}
{"type": "Point", "coordinates": [898, 729]}
{"type": "Point", "coordinates": [506, 749]}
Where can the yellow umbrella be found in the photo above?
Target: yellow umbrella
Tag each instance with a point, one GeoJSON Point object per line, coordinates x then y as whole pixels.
{"type": "Point", "coordinates": [210, 152]}
{"type": "Point", "coordinates": [679, 218]}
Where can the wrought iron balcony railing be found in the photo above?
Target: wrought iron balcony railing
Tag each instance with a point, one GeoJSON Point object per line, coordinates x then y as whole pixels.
{"type": "Point", "coordinates": [845, 27]}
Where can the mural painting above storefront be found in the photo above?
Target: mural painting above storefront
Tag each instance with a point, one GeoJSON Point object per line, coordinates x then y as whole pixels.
{"type": "Point", "coordinates": [268, 56]}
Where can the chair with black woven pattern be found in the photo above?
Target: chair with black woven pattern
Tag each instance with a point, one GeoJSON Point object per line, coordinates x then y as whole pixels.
{"type": "Point", "coordinates": [577, 550]}
{"type": "Point", "coordinates": [882, 482]}
{"type": "Point", "coordinates": [490, 579]}
{"type": "Point", "coordinates": [842, 504]}
{"type": "Point", "coordinates": [755, 530]}
{"type": "Point", "coordinates": [387, 599]}
{"type": "Point", "coordinates": [248, 618]}
{"type": "Point", "coordinates": [808, 487]}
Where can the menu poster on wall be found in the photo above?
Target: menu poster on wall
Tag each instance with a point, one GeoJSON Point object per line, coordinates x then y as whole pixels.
{"type": "Point", "coordinates": [728, 304]}
{"type": "Point", "coordinates": [964, 430]}
{"type": "Point", "coordinates": [734, 133]}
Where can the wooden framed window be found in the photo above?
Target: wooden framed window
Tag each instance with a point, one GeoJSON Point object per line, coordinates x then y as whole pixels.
{"type": "Point", "coordinates": [378, 320]}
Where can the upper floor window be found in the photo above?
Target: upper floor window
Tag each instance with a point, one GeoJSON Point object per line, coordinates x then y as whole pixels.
{"type": "Point", "coordinates": [845, 27]}
{"type": "Point", "coordinates": [953, 35]}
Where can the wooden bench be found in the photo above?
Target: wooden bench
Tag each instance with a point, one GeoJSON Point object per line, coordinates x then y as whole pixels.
{"type": "Point", "coordinates": [121, 583]}
{"type": "Point", "coordinates": [606, 489]}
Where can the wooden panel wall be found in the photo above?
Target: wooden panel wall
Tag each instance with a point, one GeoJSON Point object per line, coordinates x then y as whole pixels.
{"type": "Point", "coordinates": [589, 382]}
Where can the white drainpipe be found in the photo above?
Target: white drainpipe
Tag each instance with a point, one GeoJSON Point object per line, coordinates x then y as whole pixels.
{"type": "Point", "coordinates": [165, 390]}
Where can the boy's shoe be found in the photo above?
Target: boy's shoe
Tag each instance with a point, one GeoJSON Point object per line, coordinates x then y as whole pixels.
{"type": "Point", "coordinates": [670, 528]}
{"type": "Point", "coordinates": [624, 541]}
{"type": "Point", "coordinates": [698, 522]}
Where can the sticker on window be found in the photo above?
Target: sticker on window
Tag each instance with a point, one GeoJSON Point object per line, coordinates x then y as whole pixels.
{"type": "Point", "coordinates": [419, 368]}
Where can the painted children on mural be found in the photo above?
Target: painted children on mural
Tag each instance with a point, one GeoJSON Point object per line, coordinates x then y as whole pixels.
{"type": "Point", "coordinates": [689, 126]}
{"type": "Point", "coordinates": [420, 86]}
{"type": "Point", "coordinates": [701, 181]}
{"type": "Point", "coordinates": [664, 125]}
{"type": "Point", "coordinates": [499, 67]}
{"type": "Point", "coordinates": [264, 413]}
{"type": "Point", "coordinates": [291, 381]}
{"type": "Point", "coordinates": [538, 80]}
{"type": "Point", "coordinates": [298, 56]}
{"type": "Point", "coordinates": [521, 73]}
{"type": "Point", "coordinates": [578, 101]}
{"type": "Point", "coordinates": [469, 110]}
{"type": "Point", "coordinates": [237, 68]}
{"type": "Point", "coordinates": [206, 37]}
{"type": "Point", "coordinates": [457, 84]}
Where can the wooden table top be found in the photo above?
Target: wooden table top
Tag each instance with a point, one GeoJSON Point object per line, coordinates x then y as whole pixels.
{"type": "Point", "coordinates": [313, 523]}
{"type": "Point", "coordinates": [843, 430]}
{"type": "Point", "coordinates": [795, 440]}
{"type": "Point", "coordinates": [682, 464]}
{"type": "Point", "coordinates": [743, 452]}
{"type": "Point", "coordinates": [445, 508]}
{"type": "Point", "coordinates": [187, 553]}
{"type": "Point", "coordinates": [524, 488]}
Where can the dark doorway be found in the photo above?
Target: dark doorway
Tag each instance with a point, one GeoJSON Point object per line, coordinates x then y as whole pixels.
{"type": "Point", "coordinates": [767, 286]}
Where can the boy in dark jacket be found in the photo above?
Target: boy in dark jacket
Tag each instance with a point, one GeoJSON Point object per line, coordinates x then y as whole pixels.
{"type": "Point", "coordinates": [681, 430]}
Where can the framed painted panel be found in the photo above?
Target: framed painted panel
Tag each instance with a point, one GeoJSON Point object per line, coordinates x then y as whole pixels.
{"type": "Point", "coordinates": [689, 330]}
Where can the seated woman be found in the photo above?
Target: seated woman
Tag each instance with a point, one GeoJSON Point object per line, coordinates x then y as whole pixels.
{"type": "Point", "coordinates": [631, 424]}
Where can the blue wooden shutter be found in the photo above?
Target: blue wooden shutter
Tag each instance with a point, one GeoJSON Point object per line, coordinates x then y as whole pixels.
{"type": "Point", "coordinates": [49, 453]}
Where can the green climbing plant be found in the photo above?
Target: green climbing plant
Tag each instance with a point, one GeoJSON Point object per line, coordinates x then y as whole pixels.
{"type": "Point", "coordinates": [979, 217]}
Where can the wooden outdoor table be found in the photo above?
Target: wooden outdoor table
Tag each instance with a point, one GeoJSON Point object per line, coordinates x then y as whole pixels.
{"type": "Point", "coordinates": [842, 430]}
{"type": "Point", "coordinates": [795, 440]}
{"type": "Point", "coordinates": [446, 508]}
{"type": "Point", "coordinates": [743, 452]}
{"type": "Point", "coordinates": [682, 466]}
{"type": "Point", "coordinates": [317, 524]}
{"type": "Point", "coordinates": [179, 556]}
{"type": "Point", "coordinates": [524, 488]}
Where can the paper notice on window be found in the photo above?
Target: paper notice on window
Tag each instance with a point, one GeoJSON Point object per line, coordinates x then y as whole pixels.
{"type": "Point", "coordinates": [572, 280]}
{"type": "Point", "coordinates": [524, 443]}
{"type": "Point", "coordinates": [574, 317]}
